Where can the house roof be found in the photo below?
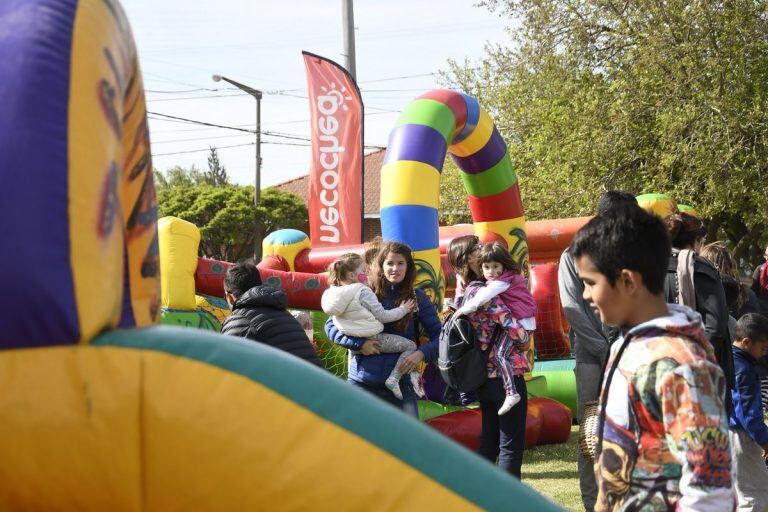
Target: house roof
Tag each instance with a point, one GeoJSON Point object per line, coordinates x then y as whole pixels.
{"type": "Point", "coordinates": [371, 182]}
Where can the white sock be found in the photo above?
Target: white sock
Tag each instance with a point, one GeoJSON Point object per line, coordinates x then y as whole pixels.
{"type": "Point", "coordinates": [509, 402]}
{"type": "Point", "coordinates": [393, 384]}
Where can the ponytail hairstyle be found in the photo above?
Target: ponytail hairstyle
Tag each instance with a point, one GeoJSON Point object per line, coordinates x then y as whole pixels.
{"type": "Point", "coordinates": [495, 252]}
{"type": "Point", "coordinates": [404, 289]}
{"type": "Point", "coordinates": [339, 269]}
{"type": "Point", "coordinates": [684, 229]}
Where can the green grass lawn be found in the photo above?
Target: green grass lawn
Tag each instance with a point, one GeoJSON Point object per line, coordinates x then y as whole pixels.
{"type": "Point", "coordinates": [551, 470]}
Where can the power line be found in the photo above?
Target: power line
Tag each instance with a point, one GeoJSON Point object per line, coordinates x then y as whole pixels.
{"type": "Point", "coordinates": [184, 91]}
{"type": "Point", "coordinates": [263, 132]}
{"type": "Point", "coordinates": [200, 138]}
{"type": "Point", "coordinates": [281, 92]}
{"type": "Point", "coordinates": [204, 123]}
{"type": "Point", "coordinates": [200, 150]}
{"type": "Point", "coordinates": [397, 78]}
{"type": "Point", "coordinates": [251, 144]}
{"type": "Point", "coordinates": [197, 97]}
{"type": "Point", "coordinates": [277, 91]}
{"type": "Point", "coordinates": [368, 35]}
{"type": "Point", "coordinates": [293, 121]}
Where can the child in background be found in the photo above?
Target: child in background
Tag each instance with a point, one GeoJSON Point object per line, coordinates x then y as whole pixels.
{"type": "Point", "coordinates": [504, 280]}
{"type": "Point", "coordinates": [749, 434]}
{"type": "Point", "coordinates": [357, 312]}
{"type": "Point", "coordinates": [663, 430]}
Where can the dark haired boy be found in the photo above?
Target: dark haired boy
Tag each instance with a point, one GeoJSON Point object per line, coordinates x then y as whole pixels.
{"type": "Point", "coordinates": [259, 313]}
{"type": "Point", "coordinates": [749, 434]}
{"type": "Point", "coordinates": [664, 440]}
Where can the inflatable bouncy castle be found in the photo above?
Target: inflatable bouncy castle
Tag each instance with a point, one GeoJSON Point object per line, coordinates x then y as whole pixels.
{"type": "Point", "coordinates": [103, 410]}
{"type": "Point", "coordinates": [435, 123]}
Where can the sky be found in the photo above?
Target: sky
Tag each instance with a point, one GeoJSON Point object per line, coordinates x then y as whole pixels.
{"type": "Point", "coordinates": [400, 46]}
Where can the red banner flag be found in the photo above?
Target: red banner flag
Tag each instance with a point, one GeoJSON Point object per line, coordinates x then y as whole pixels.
{"type": "Point", "coordinates": [336, 176]}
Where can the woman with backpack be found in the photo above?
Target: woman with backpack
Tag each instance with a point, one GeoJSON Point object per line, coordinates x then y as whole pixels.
{"type": "Point", "coordinates": [694, 282]}
{"type": "Point", "coordinates": [501, 436]}
{"type": "Point", "coordinates": [391, 277]}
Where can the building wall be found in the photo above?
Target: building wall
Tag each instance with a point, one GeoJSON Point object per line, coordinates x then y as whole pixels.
{"type": "Point", "coordinates": [371, 229]}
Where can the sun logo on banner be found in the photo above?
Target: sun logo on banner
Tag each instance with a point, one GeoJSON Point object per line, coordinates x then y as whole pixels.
{"type": "Point", "coordinates": [341, 95]}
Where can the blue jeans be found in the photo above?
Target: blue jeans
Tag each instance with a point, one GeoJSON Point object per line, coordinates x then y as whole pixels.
{"type": "Point", "coordinates": [503, 436]}
{"type": "Point", "coordinates": [408, 404]}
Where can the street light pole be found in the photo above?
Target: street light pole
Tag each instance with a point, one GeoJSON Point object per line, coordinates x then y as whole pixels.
{"type": "Point", "coordinates": [257, 190]}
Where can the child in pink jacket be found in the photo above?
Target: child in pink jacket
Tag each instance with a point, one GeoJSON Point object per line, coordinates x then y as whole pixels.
{"type": "Point", "coordinates": [505, 282]}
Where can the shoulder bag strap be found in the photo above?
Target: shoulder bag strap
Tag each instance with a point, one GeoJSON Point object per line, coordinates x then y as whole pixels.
{"type": "Point", "coordinates": [604, 397]}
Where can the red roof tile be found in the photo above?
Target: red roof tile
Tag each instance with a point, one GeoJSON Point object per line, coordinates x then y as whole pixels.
{"type": "Point", "coordinates": [371, 182]}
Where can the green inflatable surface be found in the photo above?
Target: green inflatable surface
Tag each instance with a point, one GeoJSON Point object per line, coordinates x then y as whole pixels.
{"type": "Point", "coordinates": [198, 319]}
{"type": "Point", "coordinates": [560, 381]}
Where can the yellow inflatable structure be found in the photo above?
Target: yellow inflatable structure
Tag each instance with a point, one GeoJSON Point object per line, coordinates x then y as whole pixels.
{"type": "Point", "coordinates": [660, 204]}
{"type": "Point", "coordinates": [179, 241]}
{"type": "Point", "coordinates": [148, 418]}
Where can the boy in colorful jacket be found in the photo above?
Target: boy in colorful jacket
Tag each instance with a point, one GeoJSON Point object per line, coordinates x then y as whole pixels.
{"type": "Point", "coordinates": [664, 431]}
{"type": "Point", "coordinates": [749, 434]}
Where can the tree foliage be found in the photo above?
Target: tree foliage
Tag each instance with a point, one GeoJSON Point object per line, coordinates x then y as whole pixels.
{"type": "Point", "coordinates": [225, 214]}
{"type": "Point", "coordinates": [217, 174]}
{"type": "Point", "coordinates": [454, 206]}
{"type": "Point", "coordinates": [644, 95]}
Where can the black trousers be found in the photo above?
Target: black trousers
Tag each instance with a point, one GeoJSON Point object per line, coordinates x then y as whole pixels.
{"type": "Point", "coordinates": [503, 436]}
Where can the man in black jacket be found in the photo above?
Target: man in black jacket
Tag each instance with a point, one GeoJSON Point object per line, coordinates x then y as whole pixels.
{"type": "Point", "coordinates": [259, 313]}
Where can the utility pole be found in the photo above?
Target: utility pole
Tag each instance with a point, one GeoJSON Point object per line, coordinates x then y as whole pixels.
{"type": "Point", "coordinates": [348, 20]}
{"type": "Point", "coordinates": [257, 191]}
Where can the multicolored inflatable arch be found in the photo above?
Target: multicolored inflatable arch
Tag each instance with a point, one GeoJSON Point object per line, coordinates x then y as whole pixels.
{"type": "Point", "coordinates": [436, 122]}
{"type": "Point", "coordinates": [158, 418]}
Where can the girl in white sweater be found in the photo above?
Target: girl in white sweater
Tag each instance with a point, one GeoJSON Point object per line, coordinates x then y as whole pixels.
{"type": "Point", "coordinates": [357, 312]}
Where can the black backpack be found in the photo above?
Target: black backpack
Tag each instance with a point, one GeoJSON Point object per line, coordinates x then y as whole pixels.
{"type": "Point", "coordinates": [462, 364]}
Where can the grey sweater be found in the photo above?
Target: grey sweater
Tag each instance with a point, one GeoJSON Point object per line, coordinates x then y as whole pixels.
{"type": "Point", "coordinates": [590, 344]}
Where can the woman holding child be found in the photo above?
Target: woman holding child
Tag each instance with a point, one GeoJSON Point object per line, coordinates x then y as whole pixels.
{"type": "Point", "coordinates": [503, 398]}
{"type": "Point", "coordinates": [391, 277]}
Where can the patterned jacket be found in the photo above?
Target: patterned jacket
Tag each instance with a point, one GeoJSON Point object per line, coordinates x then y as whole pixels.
{"type": "Point", "coordinates": [495, 313]}
{"type": "Point", "coordinates": [665, 443]}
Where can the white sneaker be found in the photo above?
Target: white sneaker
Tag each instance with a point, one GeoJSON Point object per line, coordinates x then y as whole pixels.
{"type": "Point", "coordinates": [509, 403]}
{"type": "Point", "coordinates": [416, 383]}
{"type": "Point", "coordinates": [393, 384]}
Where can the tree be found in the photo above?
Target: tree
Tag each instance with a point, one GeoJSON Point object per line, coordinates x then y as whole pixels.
{"type": "Point", "coordinates": [225, 215]}
{"type": "Point", "coordinates": [454, 206]}
{"type": "Point", "coordinates": [647, 96]}
{"type": "Point", "coordinates": [217, 174]}
{"type": "Point", "coordinates": [179, 177]}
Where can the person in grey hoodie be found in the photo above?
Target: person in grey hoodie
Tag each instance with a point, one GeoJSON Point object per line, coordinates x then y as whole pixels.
{"type": "Point", "coordinates": [590, 341]}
